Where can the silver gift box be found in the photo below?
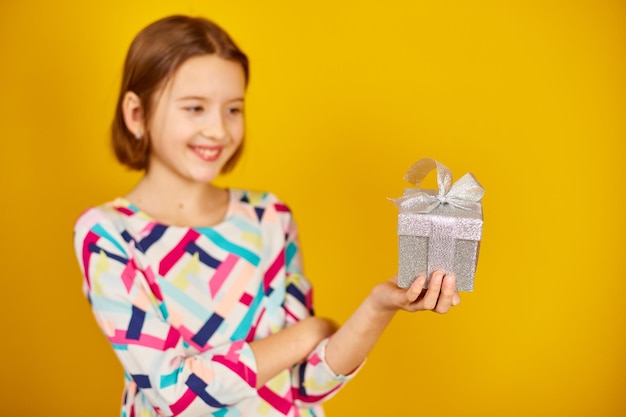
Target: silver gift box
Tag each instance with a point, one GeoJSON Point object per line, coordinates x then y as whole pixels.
{"type": "Point", "coordinates": [439, 229]}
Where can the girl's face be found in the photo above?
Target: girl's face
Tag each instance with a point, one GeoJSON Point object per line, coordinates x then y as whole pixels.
{"type": "Point", "coordinates": [198, 120]}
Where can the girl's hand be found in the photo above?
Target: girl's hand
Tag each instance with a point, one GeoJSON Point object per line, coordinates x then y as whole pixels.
{"type": "Point", "coordinates": [439, 297]}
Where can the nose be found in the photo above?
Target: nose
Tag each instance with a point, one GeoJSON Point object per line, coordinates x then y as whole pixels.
{"type": "Point", "coordinates": [214, 127]}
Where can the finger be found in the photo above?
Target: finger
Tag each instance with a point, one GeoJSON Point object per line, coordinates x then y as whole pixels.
{"type": "Point", "coordinates": [456, 300]}
{"type": "Point", "coordinates": [448, 289]}
{"type": "Point", "coordinates": [429, 301]}
{"type": "Point", "coordinates": [415, 289]}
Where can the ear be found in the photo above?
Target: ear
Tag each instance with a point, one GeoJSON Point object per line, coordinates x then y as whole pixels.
{"type": "Point", "coordinates": [133, 114]}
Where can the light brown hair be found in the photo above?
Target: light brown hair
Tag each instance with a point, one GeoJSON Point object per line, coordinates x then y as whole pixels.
{"type": "Point", "coordinates": [153, 57]}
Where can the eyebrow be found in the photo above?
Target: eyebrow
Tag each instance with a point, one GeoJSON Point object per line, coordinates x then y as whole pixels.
{"type": "Point", "coordinates": [200, 98]}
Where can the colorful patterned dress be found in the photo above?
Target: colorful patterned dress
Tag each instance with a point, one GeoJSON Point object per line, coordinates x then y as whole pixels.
{"type": "Point", "coordinates": [179, 306]}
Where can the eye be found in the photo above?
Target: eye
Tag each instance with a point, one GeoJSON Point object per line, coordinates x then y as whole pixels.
{"type": "Point", "coordinates": [194, 109]}
{"type": "Point", "coordinates": [235, 110]}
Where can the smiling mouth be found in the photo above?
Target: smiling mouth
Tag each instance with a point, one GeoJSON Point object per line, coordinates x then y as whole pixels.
{"type": "Point", "coordinates": [207, 154]}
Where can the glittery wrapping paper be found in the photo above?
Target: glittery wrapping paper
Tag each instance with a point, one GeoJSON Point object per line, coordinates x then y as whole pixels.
{"type": "Point", "coordinates": [436, 233]}
{"type": "Point", "coordinates": [447, 239]}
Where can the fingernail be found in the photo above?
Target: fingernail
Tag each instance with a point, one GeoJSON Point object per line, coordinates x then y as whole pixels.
{"type": "Point", "coordinates": [456, 300]}
{"type": "Point", "coordinates": [437, 278]}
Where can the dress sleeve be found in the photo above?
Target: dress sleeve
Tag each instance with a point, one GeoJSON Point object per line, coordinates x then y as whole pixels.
{"type": "Point", "coordinates": [312, 380]}
{"type": "Point", "coordinates": [125, 302]}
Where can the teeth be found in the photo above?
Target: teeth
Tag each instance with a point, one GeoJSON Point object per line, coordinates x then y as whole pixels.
{"type": "Point", "coordinates": [206, 153]}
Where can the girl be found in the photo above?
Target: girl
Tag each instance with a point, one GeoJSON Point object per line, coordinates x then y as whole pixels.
{"type": "Point", "coordinates": [199, 289]}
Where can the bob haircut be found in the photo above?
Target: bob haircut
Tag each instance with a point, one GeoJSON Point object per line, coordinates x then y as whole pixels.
{"type": "Point", "coordinates": [154, 56]}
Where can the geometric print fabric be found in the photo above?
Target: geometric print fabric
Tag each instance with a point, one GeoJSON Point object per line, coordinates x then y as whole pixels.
{"type": "Point", "coordinates": [180, 305]}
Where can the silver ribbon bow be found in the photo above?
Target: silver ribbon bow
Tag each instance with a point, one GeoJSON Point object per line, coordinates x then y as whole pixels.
{"type": "Point", "coordinates": [465, 193]}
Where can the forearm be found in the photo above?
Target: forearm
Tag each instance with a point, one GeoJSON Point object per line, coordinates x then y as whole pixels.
{"type": "Point", "coordinates": [355, 339]}
{"type": "Point", "coordinates": [351, 344]}
{"type": "Point", "coordinates": [292, 345]}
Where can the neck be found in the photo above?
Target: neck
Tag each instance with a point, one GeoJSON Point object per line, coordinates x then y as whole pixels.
{"type": "Point", "coordinates": [178, 202]}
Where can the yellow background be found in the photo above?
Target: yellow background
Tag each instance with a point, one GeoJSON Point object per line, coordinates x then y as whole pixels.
{"type": "Point", "coordinates": [529, 96]}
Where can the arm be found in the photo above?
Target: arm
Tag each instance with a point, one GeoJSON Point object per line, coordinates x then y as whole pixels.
{"type": "Point", "coordinates": [292, 345]}
{"type": "Point", "coordinates": [349, 346]}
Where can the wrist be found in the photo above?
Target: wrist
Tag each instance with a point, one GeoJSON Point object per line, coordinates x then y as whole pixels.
{"type": "Point", "coordinates": [376, 306]}
{"type": "Point", "coordinates": [379, 299]}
